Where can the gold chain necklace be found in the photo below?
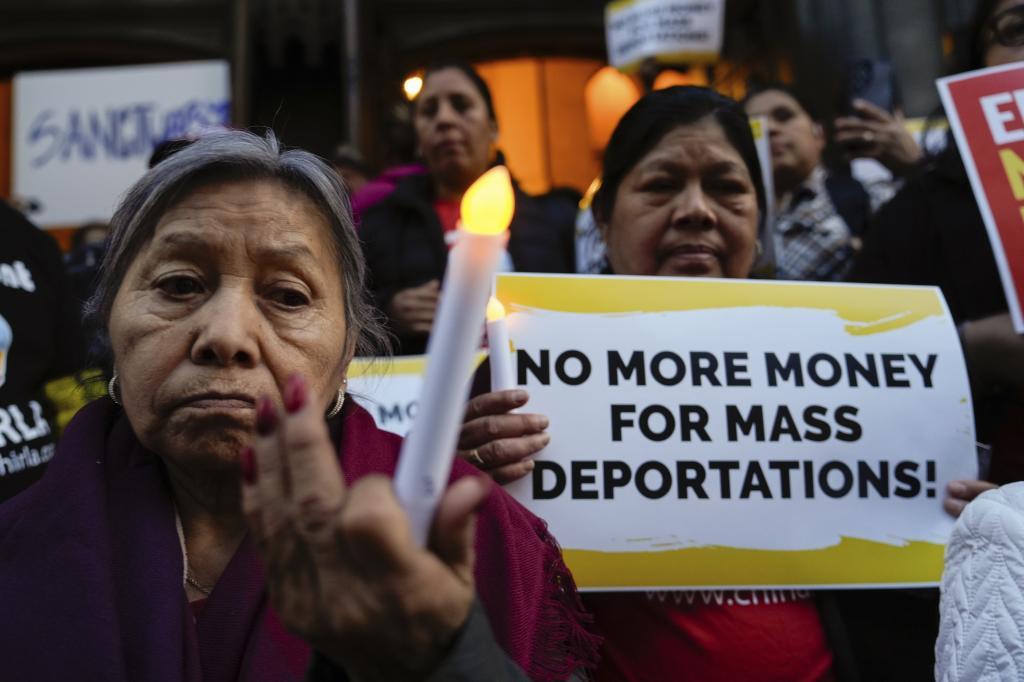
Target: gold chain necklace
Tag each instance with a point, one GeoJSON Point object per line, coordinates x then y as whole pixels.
{"type": "Point", "coordinates": [196, 584]}
{"type": "Point", "coordinates": [203, 589]}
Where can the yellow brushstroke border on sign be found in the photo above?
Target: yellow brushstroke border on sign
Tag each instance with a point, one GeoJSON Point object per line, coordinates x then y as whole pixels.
{"type": "Point", "coordinates": [670, 58]}
{"type": "Point", "coordinates": [867, 309]}
{"type": "Point", "coordinates": [852, 561]}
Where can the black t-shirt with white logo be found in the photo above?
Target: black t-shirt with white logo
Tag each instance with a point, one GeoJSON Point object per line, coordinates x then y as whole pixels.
{"type": "Point", "coordinates": [40, 340]}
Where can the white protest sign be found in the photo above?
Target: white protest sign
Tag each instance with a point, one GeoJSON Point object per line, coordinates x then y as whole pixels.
{"type": "Point", "coordinates": [83, 136]}
{"type": "Point", "coordinates": [673, 31]}
{"type": "Point", "coordinates": [732, 433]}
{"type": "Point", "coordinates": [389, 388]}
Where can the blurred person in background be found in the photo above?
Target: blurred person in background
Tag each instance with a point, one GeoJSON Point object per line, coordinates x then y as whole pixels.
{"type": "Point", "coordinates": [84, 257]}
{"type": "Point", "coordinates": [40, 342]}
{"type": "Point", "coordinates": [407, 236]}
{"type": "Point", "coordinates": [351, 167]}
{"type": "Point", "coordinates": [822, 213]}
{"type": "Point", "coordinates": [399, 161]}
{"type": "Point", "coordinates": [932, 233]}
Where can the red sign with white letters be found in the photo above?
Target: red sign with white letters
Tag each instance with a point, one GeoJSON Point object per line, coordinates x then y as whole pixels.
{"type": "Point", "coordinates": [986, 113]}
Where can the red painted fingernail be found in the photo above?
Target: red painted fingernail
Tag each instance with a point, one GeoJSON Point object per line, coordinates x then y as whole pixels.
{"type": "Point", "coordinates": [266, 416]}
{"type": "Point", "coordinates": [247, 462]}
{"type": "Point", "coordinates": [295, 394]}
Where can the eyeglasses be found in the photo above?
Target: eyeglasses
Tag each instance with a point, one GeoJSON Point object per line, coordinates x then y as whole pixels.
{"type": "Point", "coordinates": [1007, 27]}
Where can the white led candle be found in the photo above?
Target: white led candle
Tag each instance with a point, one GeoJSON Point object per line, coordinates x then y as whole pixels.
{"type": "Point", "coordinates": [498, 347]}
{"type": "Point", "coordinates": [426, 459]}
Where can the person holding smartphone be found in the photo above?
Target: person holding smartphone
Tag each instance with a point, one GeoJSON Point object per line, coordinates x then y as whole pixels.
{"type": "Point", "coordinates": [873, 126]}
{"type": "Point", "coordinates": [820, 213]}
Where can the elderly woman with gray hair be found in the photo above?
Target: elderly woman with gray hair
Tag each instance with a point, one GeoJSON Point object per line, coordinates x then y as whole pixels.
{"type": "Point", "coordinates": [232, 299]}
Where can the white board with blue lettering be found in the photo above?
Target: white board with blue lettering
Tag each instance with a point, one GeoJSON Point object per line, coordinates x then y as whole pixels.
{"type": "Point", "coordinates": [83, 136]}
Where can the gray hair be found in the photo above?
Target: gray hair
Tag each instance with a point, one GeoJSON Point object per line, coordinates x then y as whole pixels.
{"type": "Point", "coordinates": [238, 155]}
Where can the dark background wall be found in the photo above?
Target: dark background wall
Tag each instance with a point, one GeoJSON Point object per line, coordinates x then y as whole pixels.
{"type": "Point", "coordinates": [292, 59]}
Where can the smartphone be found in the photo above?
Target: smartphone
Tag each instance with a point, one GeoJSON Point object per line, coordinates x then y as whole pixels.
{"type": "Point", "coordinates": [873, 80]}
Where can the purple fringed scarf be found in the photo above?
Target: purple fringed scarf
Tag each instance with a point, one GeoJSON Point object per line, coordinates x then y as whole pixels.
{"type": "Point", "coordinates": [91, 571]}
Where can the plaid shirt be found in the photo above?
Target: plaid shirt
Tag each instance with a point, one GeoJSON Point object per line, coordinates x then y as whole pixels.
{"type": "Point", "coordinates": [812, 241]}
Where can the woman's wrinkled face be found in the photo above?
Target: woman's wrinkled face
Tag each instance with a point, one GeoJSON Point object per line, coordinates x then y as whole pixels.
{"type": "Point", "coordinates": [687, 208]}
{"type": "Point", "coordinates": [238, 289]}
{"type": "Point", "coordinates": [454, 129]}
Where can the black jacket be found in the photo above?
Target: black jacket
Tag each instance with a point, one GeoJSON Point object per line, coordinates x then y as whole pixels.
{"type": "Point", "coordinates": [40, 340]}
{"type": "Point", "coordinates": [932, 233]}
{"type": "Point", "coordinates": [404, 243]}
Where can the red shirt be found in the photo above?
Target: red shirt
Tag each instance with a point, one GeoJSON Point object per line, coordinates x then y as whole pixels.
{"type": "Point", "coordinates": [710, 636]}
{"type": "Point", "coordinates": [448, 212]}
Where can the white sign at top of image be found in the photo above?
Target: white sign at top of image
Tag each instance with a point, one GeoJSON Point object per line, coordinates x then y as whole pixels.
{"type": "Point", "coordinates": [637, 29]}
{"type": "Point", "coordinates": [83, 136]}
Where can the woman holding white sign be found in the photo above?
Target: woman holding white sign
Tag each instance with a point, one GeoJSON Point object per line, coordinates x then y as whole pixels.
{"type": "Point", "coordinates": [682, 196]}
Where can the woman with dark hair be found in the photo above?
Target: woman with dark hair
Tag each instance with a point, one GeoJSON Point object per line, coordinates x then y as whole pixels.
{"type": "Point", "coordinates": [407, 236]}
{"type": "Point", "coordinates": [681, 195]}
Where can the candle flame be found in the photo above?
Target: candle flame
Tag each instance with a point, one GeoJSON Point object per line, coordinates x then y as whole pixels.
{"type": "Point", "coordinates": [495, 310]}
{"type": "Point", "coordinates": [488, 204]}
{"type": "Point", "coordinates": [412, 86]}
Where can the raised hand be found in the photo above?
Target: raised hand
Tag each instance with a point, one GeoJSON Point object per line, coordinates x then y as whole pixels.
{"type": "Point", "coordinates": [877, 134]}
{"type": "Point", "coordinates": [342, 568]}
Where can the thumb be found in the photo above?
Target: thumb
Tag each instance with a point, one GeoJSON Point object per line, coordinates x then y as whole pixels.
{"type": "Point", "coordinates": [453, 533]}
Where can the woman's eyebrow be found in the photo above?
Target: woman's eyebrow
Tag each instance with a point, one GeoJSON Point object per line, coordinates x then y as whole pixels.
{"type": "Point", "coordinates": [180, 240]}
{"type": "Point", "coordinates": [187, 240]}
{"type": "Point", "coordinates": [671, 164]}
{"type": "Point", "coordinates": [660, 163]}
{"type": "Point", "coordinates": [296, 251]}
{"type": "Point", "coordinates": [723, 168]}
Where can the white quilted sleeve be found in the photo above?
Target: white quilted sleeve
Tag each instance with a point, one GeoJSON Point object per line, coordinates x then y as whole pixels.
{"type": "Point", "coordinates": [981, 632]}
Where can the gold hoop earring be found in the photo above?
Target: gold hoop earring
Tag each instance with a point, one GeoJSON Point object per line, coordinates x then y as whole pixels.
{"type": "Point", "coordinates": [112, 389]}
{"type": "Point", "coordinates": [339, 401]}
